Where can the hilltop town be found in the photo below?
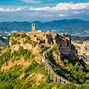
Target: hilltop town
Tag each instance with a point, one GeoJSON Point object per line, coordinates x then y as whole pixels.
{"type": "Point", "coordinates": [50, 38]}
{"type": "Point", "coordinates": [36, 58]}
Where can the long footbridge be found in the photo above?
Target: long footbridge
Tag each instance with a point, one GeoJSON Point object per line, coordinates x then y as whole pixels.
{"type": "Point", "coordinates": [53, 76]}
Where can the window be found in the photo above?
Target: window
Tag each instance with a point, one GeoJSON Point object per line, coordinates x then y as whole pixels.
{"type": "Point", "coordinates": [34, 35]}
{"type": "Point", "coordinates": [60, 45]}
{"type": "Point", "coordinates": [67, 43]}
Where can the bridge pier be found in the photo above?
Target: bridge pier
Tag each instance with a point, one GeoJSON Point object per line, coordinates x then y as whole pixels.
{"type": "Point", "coordinates": [48, 72]}
{"type": "Point", "coordinates": [54, 78]}
{"type": "Point", "coordinates": [45, 66]}
{"type": "Point", "coordinates": [58, 80]}
{"type": "Point", "coordinates": [63, 82]}
{"type": "Point", "coordinates": [51, 76]}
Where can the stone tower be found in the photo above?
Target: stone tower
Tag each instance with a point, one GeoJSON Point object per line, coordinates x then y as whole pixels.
{"type": "Point", "coordinates": [33, 27]}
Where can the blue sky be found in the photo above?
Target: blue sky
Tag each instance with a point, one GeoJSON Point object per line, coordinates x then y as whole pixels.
{"type": "Point", "coordinates": [36, 2]}
{"type": "Point", "coordinates": [43, 10]}
{"type": "Point", "coordinates": [30, 2]}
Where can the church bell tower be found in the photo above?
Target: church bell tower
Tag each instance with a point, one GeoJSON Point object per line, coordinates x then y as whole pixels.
{"type": "Point", "coordinates": [33, 27]}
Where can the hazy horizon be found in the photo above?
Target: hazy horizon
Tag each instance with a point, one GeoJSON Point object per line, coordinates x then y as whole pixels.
{"type": "Point", "coordinates": [44, 21]}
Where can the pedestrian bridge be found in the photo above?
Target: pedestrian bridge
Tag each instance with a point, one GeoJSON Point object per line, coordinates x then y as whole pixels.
{"type": "Point", "coordinates": [53, 76]}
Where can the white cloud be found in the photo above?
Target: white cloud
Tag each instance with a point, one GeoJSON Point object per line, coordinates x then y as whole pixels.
{"type": "Point", "coordinates": [69, 6]}
{"type": "Point", "coordinates": [47, 13]}
{"type": "Point", "coordinates": [10, 9]}
{"type": "Point", "coordinates": [64, 6]}
{"type": "Point", "coordinates": [32, 1]}
{"type": "Point", "coordinates": [61, 10]}
{"type": "Point", "coordinates": [40, 8]}
{"type": "Point", "coordinates": [59, 7]}
{"type": "Point", "coordinates": [62, 15]}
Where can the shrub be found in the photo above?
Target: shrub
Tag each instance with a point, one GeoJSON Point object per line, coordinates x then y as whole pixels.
{"type": "Point", "coordinates": [43, 48]}
{"type": "Point", "coordinates": [48, 54]}
{"type": "Point", "coordinates": [26, 41]}
{"type": "Point", "coordinates": [22, 52]}
{"type": "Point", "coordinates": [27, 55]}
{"type": "Point", "coordinates": [28, 38]}
{"type": "Point", "coordinates": [33, 43]}
{"type": "Point", "coordinates": [32, 56]}
{"type": "Point", "coordinates": [16, 34]}
{"type": "Point", "coordinates": [32, 66]}
{"type": "Point", "coordinates": [13, 42]}
{"type": "Point", "coordinates": [23, 35]}
{"type": "Point", "coordinates": [55, 48]}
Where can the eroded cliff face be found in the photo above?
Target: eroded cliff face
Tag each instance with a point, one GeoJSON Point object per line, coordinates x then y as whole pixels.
{"type": "Point", "coordinates": [24, 49]}
{"type": "Point", "coordinates": [46, 38]}
{"type": "Point", "coordinates": [21, 51]}
{"type": "Point", "coordinates": [33, 41]}
{"type": "Point", "coordinates": [20, 40]}
{"type": "Point", "coordinates": [30, 45]}
{"type": "Point", "coordinates": [83, 50]}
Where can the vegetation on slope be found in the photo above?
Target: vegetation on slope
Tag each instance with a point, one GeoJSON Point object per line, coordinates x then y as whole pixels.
{"type": "Point", "coordinates": [19, 76]}
{"type": "Point", "coordinates": [4, 57]}
{"type": "Point", "coordinates": [73, 71]}
{"type": "Point", "coordinates": [33, 75]}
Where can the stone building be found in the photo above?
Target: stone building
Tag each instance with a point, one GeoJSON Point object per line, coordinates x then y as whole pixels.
{"type": "Point", "coordinates": [50, 37]}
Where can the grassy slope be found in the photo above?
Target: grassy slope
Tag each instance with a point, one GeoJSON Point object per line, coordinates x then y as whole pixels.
{"type": "Point", "coordinates": [26, 77]}
{"type": "Point", "coordinates": [19, 77]}
{"type": "Point", "coordinates": [33, 76]}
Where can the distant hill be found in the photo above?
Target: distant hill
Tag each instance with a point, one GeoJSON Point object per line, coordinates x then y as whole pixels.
{"type": "Point", "coordinates": [65, 25]}
{"type": "Point", "coordinates": [3, 42]}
